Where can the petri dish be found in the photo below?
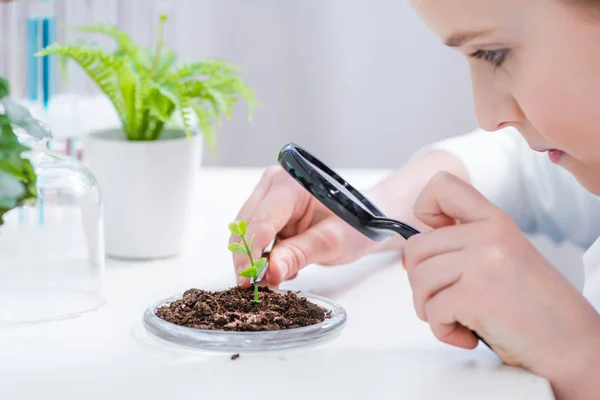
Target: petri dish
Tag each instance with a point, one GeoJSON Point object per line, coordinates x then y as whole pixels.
{"type": "Point", "coordinates": [248, 341]}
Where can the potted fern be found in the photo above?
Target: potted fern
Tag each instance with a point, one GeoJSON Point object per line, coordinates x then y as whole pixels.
{"type": "Point", "coordinates": [146, 168]}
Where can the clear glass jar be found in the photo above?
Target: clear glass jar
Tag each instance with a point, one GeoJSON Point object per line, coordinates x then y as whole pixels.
{"type": "Point", "coordinates": [52, 252]}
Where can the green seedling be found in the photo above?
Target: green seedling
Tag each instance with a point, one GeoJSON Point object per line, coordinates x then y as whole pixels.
{"type": "Point", "coordinates": [238, 228]}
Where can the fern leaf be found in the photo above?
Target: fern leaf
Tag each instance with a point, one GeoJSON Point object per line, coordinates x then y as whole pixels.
{"type": "Point", "coordinates": [209, 68]}
{"type": "Point", "coordinates": [220, 85]}
{"type": "Point", "coordinates": [168, 90]}
{"type": "Point", "coordinates": [199, 90]}
{"type": "Point", "coordinates": [175, 92]}
{"type": "Point", "coordinates": [160, 106]}
{"type": "Point", "coordinates": [100, 66]}
{"type": "Point", "coordinates": [126, 44]}
{"type": "Point", "coordinates": [129, 85]}
{"type": "Point", "coordinates": [206, 120]}
{"type": "Point", "coordinates": [184, 109]}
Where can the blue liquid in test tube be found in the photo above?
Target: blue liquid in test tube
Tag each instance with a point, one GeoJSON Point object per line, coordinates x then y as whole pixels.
{"type": "Point", "coordinates": [41, 32]}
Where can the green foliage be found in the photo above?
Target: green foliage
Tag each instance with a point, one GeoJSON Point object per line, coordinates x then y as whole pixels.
{"type": "Point", "coordinates": [18, 182]}
{"type": "Point", "coordinates": [148, 91]}
{"type": "Point", "coordinates": [239, 228]}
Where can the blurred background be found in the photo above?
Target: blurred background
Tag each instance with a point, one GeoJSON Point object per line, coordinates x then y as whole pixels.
{"type": "Point", "coordinates": [363, 84]}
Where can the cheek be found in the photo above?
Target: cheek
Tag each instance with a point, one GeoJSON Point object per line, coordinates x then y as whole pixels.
{"type": "Point", "coordinates": [561, 105]}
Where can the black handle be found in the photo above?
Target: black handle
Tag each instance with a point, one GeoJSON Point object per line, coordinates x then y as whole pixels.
{"type": "Point", "coordinates": [393, 225]}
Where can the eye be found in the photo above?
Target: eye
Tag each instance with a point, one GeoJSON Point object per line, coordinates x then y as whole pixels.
{"type": "Point", "coordinates": [494, 57]}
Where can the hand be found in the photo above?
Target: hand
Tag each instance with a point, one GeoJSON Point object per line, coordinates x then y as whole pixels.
{"type": "Point", "coordinates": [308, 232]}
{"type": "Point", "coordinates": [477, 271]}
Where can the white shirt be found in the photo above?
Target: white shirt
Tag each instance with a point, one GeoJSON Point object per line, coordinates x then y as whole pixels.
{"type": "Point", "coordinates": [541, 197]}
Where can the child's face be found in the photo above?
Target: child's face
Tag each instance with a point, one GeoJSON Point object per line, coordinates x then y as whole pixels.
{"type": "Point", "coordinates": [538, 70]}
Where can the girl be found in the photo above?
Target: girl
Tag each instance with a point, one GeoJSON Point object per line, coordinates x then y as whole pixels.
{"type": "Point", "coordinates": [535, 69]}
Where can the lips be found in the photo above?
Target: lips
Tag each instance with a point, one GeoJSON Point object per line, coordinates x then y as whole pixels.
{"type": "Point", "coordinates": [554, 154]}
{"type": "Point", "coordinates": [539, 149]}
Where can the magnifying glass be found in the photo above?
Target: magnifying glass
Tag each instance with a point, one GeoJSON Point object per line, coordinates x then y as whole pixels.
{"type": "Point", "coordinates": [341, 198]}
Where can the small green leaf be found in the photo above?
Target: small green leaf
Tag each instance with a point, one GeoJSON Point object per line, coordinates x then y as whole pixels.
{"type": "Point", "coordinates": [242, 226]}
{"type": "Point", "coordinates": [233, 228]}
{"type": "Point", "coordinates": [236, 248]}
{"type": "Point", "coordinates": [260, 265]}
{"type": "Point", "coordinates": [252, 242]}
{"type": "Point", "coordinates": [250, 272]}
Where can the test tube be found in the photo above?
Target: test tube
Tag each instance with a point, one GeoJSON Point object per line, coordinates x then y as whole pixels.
{"type": "Point", "coordinates": [41, 32]}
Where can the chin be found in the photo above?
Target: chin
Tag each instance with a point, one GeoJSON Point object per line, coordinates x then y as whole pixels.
{"type": "Point", "coordinates": [586, 175]}
{"type": "Point", "coordinates": [590, 183]}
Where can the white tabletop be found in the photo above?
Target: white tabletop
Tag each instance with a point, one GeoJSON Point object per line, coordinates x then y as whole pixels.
{"type": "Point", "coordinates": [385, 354]}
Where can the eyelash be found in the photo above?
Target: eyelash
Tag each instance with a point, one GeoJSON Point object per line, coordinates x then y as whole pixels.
{"type": "Point", "coordinates": [494, 57]}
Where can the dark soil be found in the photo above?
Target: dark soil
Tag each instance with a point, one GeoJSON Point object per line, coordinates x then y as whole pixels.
{"type": "Point", "coordinates": [233, 310]}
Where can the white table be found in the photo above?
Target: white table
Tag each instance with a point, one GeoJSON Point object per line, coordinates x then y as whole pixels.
{"type": "Point", "coordinates": [108, 354]}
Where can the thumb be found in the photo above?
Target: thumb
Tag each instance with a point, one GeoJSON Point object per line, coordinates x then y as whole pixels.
{"type": "Point", "coordinates": [447, 199]}
{"type": "Point", "coordinates": [288, 256]}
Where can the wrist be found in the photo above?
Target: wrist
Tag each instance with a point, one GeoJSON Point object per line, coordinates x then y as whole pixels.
{"type": "Point", "coordinates": [576, 375]}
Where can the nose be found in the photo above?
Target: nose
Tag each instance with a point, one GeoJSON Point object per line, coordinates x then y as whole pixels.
{"type": "Point", "coordinates": [495, 106]}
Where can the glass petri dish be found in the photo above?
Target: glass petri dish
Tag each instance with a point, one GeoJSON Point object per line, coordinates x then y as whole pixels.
{"type": "Point", "coordinates": [248, 341]}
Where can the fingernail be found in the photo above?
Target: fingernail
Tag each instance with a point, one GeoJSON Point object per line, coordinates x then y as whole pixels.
{"type": "Point", "coordinates": [239, 280]}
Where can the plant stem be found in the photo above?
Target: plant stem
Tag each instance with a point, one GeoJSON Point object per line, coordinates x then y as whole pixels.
{"type": "Point", "coordinates": [159, 44]}
{"type": "Point", "coordinates": [249, 252]}
{"type": "Point", "coordinates": [156, 130]}
{"type": "Point", "coordinates": [144, 125]}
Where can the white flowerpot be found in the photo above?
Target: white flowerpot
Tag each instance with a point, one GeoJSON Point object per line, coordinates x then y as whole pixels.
{"type": "Point", "coordinates": [147, 188]}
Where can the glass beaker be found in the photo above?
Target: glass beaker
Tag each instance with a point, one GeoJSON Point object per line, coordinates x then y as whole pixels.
{"type": "Point", "coordinates": [51, 251]}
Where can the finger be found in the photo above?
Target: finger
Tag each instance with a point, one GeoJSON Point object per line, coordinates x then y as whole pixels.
{"type": "Point", "coordinates": [441, 312]}
{"type": "Point", "coordinates": [241, 261]}
{"type": "Point", "coordinates": [419, 248]}
{"type": "Point", "coordinates": [258, 194]}
{"type": "Point", "coordinates": [432, 276]}
{"type": "Point", "coordinates": [446, 199]}
{"type": "Point", "coordinates": [315, 245]}
{"type": "Point", "coordinates": [282, 205]}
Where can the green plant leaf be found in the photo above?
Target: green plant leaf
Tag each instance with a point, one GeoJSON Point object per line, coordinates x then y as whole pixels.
{"type": "Point", "coordinates": [250, 272]}
{"type": "Point", "coordinates": [252, 241]}
{"type": "Point", "coordinates": [21, 117]}
{"type": "Point", "coordinates": [233, 228]}
{"type": "Point", "coordinates": [260, 265]}
{"type": "Point", "coordinates": [236, 248]}
{"type": "Point", "coordinates": [4, 87]}
{"type": "Point", "coordinates": [129, 84]}
{"type": "Point", "coordinates": [160, 106]}
{"type": "Point", "coordinates": [242, 226]}
{"type": "Point", "coordinates": [148, 91]}
{"type": "Point", "coordinates": [102, 67]}
{"type": "Point", "coordinates": [184, 106]}
{"type": "Point", "coordinates": [17, 176]}
{"type": "Point", "coordinates": [206, 122]}
{"type": "Point", "coordinates": [127, 47]}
